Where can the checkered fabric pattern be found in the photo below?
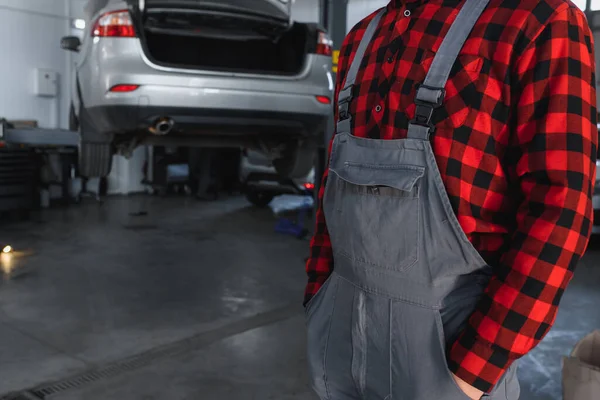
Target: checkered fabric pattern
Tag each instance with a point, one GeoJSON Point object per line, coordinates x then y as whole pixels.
{"type": "Point", "coordinates": [516, 146]}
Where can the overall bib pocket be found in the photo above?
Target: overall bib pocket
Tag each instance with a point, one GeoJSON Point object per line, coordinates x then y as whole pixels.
{"type": "Point", "coordinates": [374, 212]}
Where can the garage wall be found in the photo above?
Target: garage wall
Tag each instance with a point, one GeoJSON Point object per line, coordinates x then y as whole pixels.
{"type": "Point", "coordinates": [306, 11]}
{"type": "Point", "coordinates": [77, 7]}
{"type": "Point", "coordinates": [30, 32]}
{"type": "Point", "coordinates": [359, 9]}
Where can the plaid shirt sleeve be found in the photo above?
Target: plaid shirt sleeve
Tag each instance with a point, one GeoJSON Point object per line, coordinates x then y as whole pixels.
{"type": "Point", "coordinates": [552, 161]}
{"type": "Point", "coordinates": [320, 262]}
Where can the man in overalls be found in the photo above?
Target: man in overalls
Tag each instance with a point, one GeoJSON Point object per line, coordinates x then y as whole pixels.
{"type": "Point", "coordinates": [457, 202]}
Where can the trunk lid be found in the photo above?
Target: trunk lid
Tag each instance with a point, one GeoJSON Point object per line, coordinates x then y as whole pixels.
{"type": "Point", "coordinates": [279, 10]}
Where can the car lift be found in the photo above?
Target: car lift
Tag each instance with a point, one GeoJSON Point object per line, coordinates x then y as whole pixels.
{"type": "Point", "coordinates": [61, 141]}
{"type": "Point", "coordinates": [37, 137]}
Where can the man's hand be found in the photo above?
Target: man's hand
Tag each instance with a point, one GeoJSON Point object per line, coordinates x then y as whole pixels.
{"type": "Point", "coordinates": [470, 391]}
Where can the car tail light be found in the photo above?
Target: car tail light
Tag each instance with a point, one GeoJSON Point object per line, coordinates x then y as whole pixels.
{"type": "Point", "coordinates": [323, 99]}
{"type": "Point", "coordinates": [124, 88]}
{"type": "Point", "coordinates": [114, 24]}
{"type": "Point", "coordinates": [309, 186]}
{"type": "Point", "coordinates": [324, 44]}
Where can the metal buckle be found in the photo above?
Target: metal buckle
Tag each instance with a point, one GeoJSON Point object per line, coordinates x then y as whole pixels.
{"type": "Point", "coordinates": [423, 114]}
{"type": "Point", "coordinates": [344, 110]}
{"type": "Point", "coordinates": [425, 109]}
{"type": "Point", "coordinates": [343, 113]}
{"type": "Point", "coordinates": [345, 97]}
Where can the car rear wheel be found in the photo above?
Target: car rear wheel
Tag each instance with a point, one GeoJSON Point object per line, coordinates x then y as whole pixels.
{"type": "Point", "coordinates": [259, 199]}
{"type": "Point", "coordinates": [73, 121]}
{"type": "Point", "coordinates": [95, 159]}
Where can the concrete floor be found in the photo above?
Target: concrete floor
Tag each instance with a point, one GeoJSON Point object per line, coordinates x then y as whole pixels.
{"type": "Point", "coordinates": [192, 301]}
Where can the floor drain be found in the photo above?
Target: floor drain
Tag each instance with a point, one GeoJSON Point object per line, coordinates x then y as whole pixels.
{"type": "Point", "coordinates": [21, 396]}
{"type": "Point", "coordinates": [138, 361]}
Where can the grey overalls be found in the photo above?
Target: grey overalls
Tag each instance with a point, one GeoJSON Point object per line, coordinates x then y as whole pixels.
{"type": "Point", "coordinates": [406, 278]}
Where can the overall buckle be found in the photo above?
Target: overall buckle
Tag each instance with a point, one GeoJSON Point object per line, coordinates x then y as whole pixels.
{"type": "Point", "coordinates": [344, 99]}
{"type": "Point", "coordinates": [425, 109]}
{"type": "Point", "coordinates": [344, 109]}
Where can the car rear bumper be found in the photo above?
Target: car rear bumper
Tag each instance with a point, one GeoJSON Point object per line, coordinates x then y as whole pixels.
{"type": "Point", "coordinates": [197, 110]}
{"type": "Point", "coordinates": [190, 121]}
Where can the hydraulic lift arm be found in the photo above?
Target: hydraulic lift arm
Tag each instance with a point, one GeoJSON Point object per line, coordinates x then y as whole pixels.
{"type": "Point", "coordinates": [37, 137]}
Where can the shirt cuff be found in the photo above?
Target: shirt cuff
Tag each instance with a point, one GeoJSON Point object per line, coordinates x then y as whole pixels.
{"type": "Point", "coordinates": [477, 362]}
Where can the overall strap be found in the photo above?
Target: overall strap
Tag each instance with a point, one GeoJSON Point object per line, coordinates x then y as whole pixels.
{"type": "Point", "coordinates": [430, 94]}
{"type": "Point", "coordinates": [344, 123]}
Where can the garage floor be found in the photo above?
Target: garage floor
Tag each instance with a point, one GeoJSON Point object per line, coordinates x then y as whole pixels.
{"type": "Point", "coordinates": [192, 301]}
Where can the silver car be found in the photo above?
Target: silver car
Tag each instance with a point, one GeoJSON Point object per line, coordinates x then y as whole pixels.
{"type": "Point", "coordinates": [200, 73]}
{"type": "Point", "coordinates": [261, 182]}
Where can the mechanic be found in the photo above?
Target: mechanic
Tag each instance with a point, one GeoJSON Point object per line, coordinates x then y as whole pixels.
{"type": "Point", "coordinates": [457, 202]}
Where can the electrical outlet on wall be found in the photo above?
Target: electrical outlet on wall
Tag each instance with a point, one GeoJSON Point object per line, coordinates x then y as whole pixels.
{"type": "Point", "coordinates": [46, 83]}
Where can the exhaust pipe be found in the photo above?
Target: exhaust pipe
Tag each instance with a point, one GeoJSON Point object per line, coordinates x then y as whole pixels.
{"type": "Point", "coordinates": [162, 126]}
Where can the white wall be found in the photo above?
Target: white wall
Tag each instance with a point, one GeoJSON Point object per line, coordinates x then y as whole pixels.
{"type": "Point", "coordinates": [77, 7]}
{"type": "Point", "coordinates": [359, 9]}
{"type": "Point", "coordinates": [30, 33]}
{"type": "Point", "coordinates": [306, 11]}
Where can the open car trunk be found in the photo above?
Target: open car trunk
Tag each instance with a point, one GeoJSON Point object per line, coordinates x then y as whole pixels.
{"type": "Point", "coordinates": [228, 36]}
{"type": "Point", "coordinates": [274, 9]}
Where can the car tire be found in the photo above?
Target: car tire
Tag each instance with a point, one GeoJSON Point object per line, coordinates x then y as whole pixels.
{"type": "Point", "coordinates": [73, 121]}
{"type": "Point", "coordinates": [259, 199]}
{"type": "Point", "coordinates": [95, 159]}
{"type": "Point", "coordinates": [297, 162]}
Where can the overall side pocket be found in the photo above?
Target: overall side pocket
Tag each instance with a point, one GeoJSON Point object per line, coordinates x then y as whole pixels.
{"type": "Point", "coordinates": [318, 313]}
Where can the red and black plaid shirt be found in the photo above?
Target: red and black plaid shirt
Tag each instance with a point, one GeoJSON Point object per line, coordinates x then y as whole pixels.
{"type": "Point", "coordinates": [516, 146]}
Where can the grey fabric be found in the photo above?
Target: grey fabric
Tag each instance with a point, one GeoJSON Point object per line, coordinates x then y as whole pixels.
{"type": "Point", "coordinates": [453, 43]}
{"type": "Point", "coordinates": [418, 132]}
{"type": "Point", "coordinates": [346, 93]}
{"type": "Point", "coordinates": [406, 277]}
{"type": "Point", "coordinates": [429, 95]}
{"type": "Point", "coordinates": [344, 125]}
{"type": "Point", "coordinates": [360, 53]}
{"type": "Point", "coordinates": [432, 89]}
